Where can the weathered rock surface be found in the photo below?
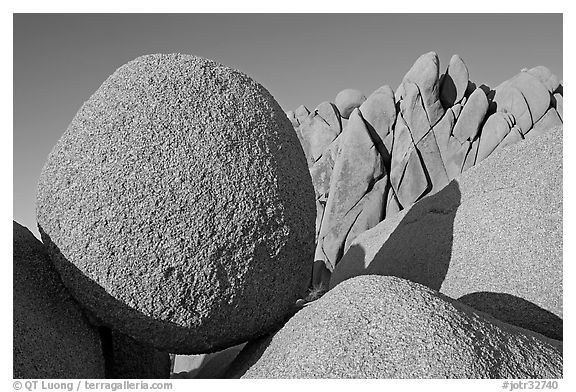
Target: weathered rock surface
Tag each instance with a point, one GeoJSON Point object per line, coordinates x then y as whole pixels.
{"type": "Point", "coordinates": [357, 167]}
{"type": "Point", "coordinates": [494, 131]}
{"type": "Point", "coordinates": [52, 337]}
{"type": "Point", "coordinates": [498, 228]}
{"type": "Point", "coordinates": [319, 130]}
{"type": "Point", "coordinates": [536, 94]}
{"type": "Point", "coordinates": [301, 113]}
{"type": "Point", "coordinates": [546, 77]}
{"type": "Point", "coordinates": [428, 132]}
{"type": "Point", "coordinates": [178, 206]}
{"type": "Point", "coordinates": [548, 121]}
{"type": "Point", "coordinates": [425, 75]}
{"type": "Point", "coordinates": [407, 174]}
{"type": "Point", "coordinates": [386, 327]}
{"type": "Point", "coordinates": [472, 116]}
{"type": "Point", "coordinates": [347, 100]}
{"type": "Point", "coordinates": [509, 99]}
{"type": "Point", "coordinates": [379, 111]}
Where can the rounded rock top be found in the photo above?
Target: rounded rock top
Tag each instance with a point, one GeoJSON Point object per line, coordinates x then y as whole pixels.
{"type": "Point", "coordinates": [178, 206]}
{"type": "Point", "coordinates": [347, 100]}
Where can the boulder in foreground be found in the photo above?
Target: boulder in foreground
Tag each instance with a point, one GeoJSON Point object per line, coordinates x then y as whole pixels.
{"type": "Point", "coordinates": [178, 206]}
{"type": "Point", "coordinates": [52, 337]}
{"type": "Point", "coordinates": [386, 327]}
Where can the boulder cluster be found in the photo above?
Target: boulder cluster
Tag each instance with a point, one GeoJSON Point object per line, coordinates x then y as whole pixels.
{"type": "Point", "coordinates": [398, 147]}
{"type": "Point", "coordinates": [193, 229]}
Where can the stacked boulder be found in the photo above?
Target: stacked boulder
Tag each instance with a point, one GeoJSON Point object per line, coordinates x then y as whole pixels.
{"type": "Point", "coordinates": [178, 211]}
{"type": "Point", "coordinates": [398, 147]}
{"type": "Point", "coordinates": [184, 212]}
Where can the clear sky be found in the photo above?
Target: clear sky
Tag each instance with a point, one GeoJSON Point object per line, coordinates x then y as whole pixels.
{"type": "Point", "coordinates": [61, 59]}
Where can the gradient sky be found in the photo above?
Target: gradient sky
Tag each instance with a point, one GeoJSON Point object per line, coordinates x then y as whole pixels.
{"type": "Point", "coordinates": [61, 59]}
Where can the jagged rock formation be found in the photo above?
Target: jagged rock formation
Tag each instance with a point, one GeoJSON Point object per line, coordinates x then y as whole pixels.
{"type": "Point", "coordinates": [401, 146]}
{"type": "Point", "coordinates": [494, 235]}
{"type": "Point", "coordinates": [178, 207]}
{"type": "Point", "coordinates": [52, 337]}
{"type": "Point", "coordinates": [385, 327]}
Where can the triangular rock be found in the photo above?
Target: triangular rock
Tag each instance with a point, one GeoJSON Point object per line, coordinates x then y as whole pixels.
{"type": "Point", "coordinates": [471, 117]}
{"type": "Point", "coordinates": [357, 167]}
{"type": "Point", "coordinates": [425, 74]}
{"type": "Point", "coordinates": [454, 82]}
{"type": "Point", "coordinates": [494, 131]}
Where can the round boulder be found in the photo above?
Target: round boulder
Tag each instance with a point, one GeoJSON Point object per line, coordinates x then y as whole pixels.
{"type": "Point", "coordinates": [347, 100]}
{"type": "Point", "coordinates": [178, 206]}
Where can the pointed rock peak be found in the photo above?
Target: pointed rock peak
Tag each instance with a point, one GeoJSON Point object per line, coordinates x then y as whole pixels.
{"type": "Point", "coordinates": [472, 116]}
{"type": "Point", "coordinates": [454, 82]}
{"type": "Point", "coordinates": [347, 100]}
{"type": "Point", "coordinates": [384, 90]}
{"type": "Point", "coordinates": [379, 110]}
{"type": "Point", "coordinates": [329, 112]}
{"type": "Point", "coordinates": [356, 123]}
{"type": "Point", "coordinates": [425, 71]}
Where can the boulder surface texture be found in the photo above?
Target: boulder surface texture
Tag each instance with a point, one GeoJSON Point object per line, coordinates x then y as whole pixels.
{"type": "Point", "coordinates": [386, 327]}
{"type": "Point", "coordinates": [178, 206]}
{"type": "Point", "coordinates": [495, 233]}
{"type": "Point", "coordinates": [52, 337]}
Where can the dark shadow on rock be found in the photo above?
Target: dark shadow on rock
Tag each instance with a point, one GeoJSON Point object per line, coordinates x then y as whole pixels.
{"type": "Point", "coordinates": [516, 311]}
{"type": "Point", "coordinates": [420, 247]}
{"type": "Point", "coordinates": [448, 88]}
{"type": "Point", "coordinates": [126, 358]}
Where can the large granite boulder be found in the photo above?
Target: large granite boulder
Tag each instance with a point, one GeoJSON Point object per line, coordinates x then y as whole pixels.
{"type": "Point", "coordinates": [498, 229]}
{"type": "Point", "coordinates": [386, 327]}
{"type": "Point", "coordinates": [178, 206]}
{"type": "Point", "coordinates": [52, 336]}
